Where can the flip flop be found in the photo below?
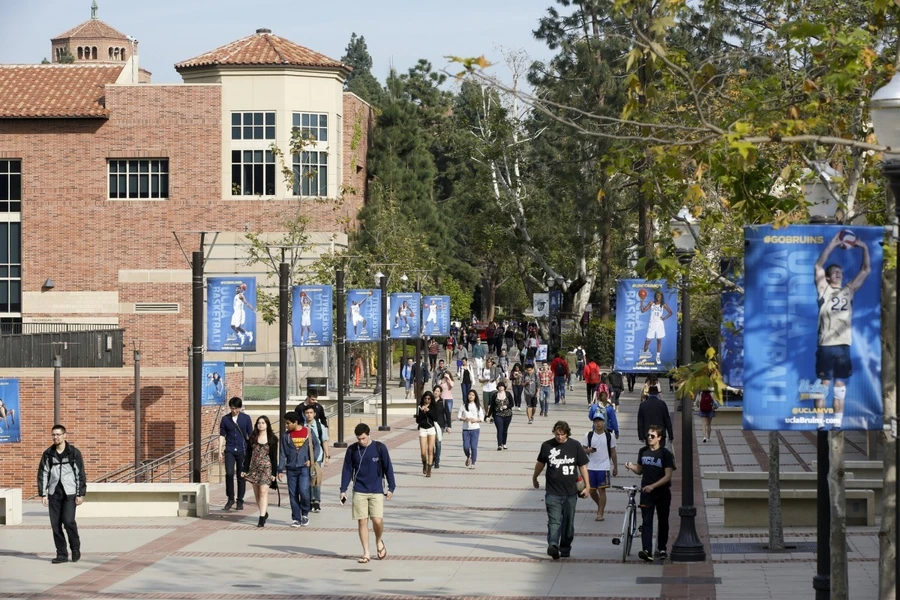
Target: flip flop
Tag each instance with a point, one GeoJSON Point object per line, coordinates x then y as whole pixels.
{"type": "Point", "coordinates": [382, 552]}
{"type": "Point", "coordinates": [363, 560]}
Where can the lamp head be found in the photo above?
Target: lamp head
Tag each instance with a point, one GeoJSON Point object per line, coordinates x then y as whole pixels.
{"type": "Point", "coordinates": [684, 232]}
{"type": "Point", "coordinates": [885, 105]}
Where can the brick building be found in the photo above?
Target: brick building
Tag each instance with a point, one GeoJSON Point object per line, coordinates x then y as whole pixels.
{"type": "Point", "coordinates": [98, 168]}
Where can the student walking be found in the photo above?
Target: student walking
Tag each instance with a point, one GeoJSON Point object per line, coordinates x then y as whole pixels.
{"type": "Point", "coordinates": [500, 410]}
{"type": "Point", "coordinates": [654, 411]}
{"type": "Point", "coordinates": [367, 464]}
{"type": "Point", "coordinates": [566, 463]}
{"type": "Point", "coordinates": [466, 378]}
{"type": "Point", "coordinates": [706, 406]}
{"type": "Point", "coordinates": [530, 392]}
{"type": "Point", "coordinates": [298, 450]}
{"type": "Point", "coordinates": [616, 386]}
{"type": "Point", "coordinates": [62, 485]}
{"type": "Point", "coordinates": [655, 466]}
{"type": "Point", "coordinates": [591, 379]}
{"type": "Point", "coordinates": [517, 381]}
{"type": "Point", "coordinates": [600, 447]}
{"type": "Point", "coordinates": [441, 415]}
{"type": "Point", "coordinates": [321, 454]}
{"type": "Point", "coordinates": [425, 420]}
{"type": "Point", "coordinates": [446, 384]}
{"type": "Point", "coordinates": [261, 464]}
{"type": "Point", "coordinates": [234, 431]}
{"type": "Point", "coordinates": [603, 405]}
{"type": "Point", "coordinates": [406, 373]}
{"type": "Point", "coordinates": [545, 379]}
{"type": "Point", "coordinates": [472, 415]}
{"type": "Point", "coordinates": [560, 370]}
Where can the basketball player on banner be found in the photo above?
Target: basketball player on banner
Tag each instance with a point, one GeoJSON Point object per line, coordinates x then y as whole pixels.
{"type": "Point", "coordinates": [656, 329]}
{"type": "Point", "coordinates": [835, 323]}
{"type": "Point", "coordinates": [238, 318]}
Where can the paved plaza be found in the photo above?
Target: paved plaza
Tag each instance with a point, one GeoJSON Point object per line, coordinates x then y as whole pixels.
{"type": "Point", "coordinates": [461, 533]}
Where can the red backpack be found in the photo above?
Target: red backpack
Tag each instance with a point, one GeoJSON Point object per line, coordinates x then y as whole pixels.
{"type": "Point", "coordinates": [706, 402]}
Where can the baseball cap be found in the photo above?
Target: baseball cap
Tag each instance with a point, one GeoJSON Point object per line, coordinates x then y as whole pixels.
{"type": "Point", "coordinates": [599, 415]}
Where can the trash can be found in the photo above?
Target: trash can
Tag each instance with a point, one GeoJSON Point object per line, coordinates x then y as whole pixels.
{"type": "Point", "coordinates": [317, 384]}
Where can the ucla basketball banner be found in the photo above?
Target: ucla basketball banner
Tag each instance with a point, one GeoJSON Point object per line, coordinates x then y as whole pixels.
{"type": "Point", "coordinates": [403, 315]}
{"type": "Point", "coordinates": [10, 417]}
{"type": "Point", "coordinates": [311, 317]}
{"type": "Point", "coordinates": [436, 316]}
{"type": "Point", "coordinates": [231, 314]}
{"type": "Point", "coordinates": [646, 326]}
{"type": "Point", "coordinates": [363, 315]}
{"type": "Point", "coordinates": [556, 302]}
{"type": "Point", "coordinates": [214, 383]}
{"type": "Point", "coordinates": [812, 327]}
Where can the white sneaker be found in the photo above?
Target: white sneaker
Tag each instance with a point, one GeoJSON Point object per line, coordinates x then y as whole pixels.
{"type": "Point", "coordinates": [658, 361]}
{"type": "Point", "coordinates": [519, 408]}
{"type": "Point", "coordinates": [250, 336]}
{"type": "Point", "coordinates": [295, 523]}
{"type": "Point", "coordinates": [241, 337]}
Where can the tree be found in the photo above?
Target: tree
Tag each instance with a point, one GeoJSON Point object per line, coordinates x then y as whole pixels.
{"type": "Point", "coordinates": [65, 57]}
{"type": "Point", "coordinates": [361, 81]}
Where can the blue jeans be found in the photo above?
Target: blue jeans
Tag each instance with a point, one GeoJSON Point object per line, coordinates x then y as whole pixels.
{"type": "Point", "coordinates": [466, 388]}
{"type": "Point", "coordinates": [559, 392]}
{"type": "Point", "coordinates": [502, 425]}
{"type": "Point", "coordinates": [545, 399]}
{"type": "Point", "coordinates": [298, 492]}
{"type": "Point", "coordinates": [470, 443]}
{"type": "Point", "coordinates": [561, 521]}
{"type": "Point", "coordinates": [449, 403]}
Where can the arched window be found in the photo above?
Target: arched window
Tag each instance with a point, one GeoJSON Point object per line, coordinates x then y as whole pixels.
{"type": "Point", "coordinates": [110, 54]}
{"type": "Point", "coordinates": [122, 53]}
{"type": "Point", "coordinates": [94, 52]}
{"type": "Point", "coordinates": [80, 52]}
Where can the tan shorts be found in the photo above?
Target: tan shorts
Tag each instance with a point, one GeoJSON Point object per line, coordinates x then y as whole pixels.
{"type": "Point", "coordinates": [366, 506]}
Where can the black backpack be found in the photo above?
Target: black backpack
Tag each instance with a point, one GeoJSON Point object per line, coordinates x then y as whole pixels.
{"type": "Point", "coordinates": [608, 442]}
{"type": "Point", "coordinates": [560, 369]}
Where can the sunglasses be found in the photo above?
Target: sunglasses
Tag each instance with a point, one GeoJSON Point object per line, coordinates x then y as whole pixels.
{"type": "Point", "coordinates": [652, 436]}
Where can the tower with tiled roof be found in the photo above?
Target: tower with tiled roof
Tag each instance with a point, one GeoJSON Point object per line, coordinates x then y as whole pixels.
{"type": "Point", "coordinates": [94, 42]}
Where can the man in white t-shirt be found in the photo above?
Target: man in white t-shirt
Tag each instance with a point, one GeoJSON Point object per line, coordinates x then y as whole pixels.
{"type": "Point", "coordinates": [600, 447]}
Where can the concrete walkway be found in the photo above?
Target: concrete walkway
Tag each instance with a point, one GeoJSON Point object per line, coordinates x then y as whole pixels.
{"type": "Point", "coordinates": [461, 533]}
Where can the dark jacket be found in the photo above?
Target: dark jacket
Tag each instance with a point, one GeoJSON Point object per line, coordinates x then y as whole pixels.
{"type": "Point", "coordinates": [66, 470]}
{"type": "Point", "coordinates": [273, 458]}
{"type": "Point", "coordinates": [367, 468]}
{"type": "Point", "coordinates": [615, 381]}
{"type": "Point", "coordinates": [426, 418]}
{"type": "Point", "coordinates": [320, 412]}
{"type": "Point", "coordinates": [236, 435]}
{"type": "Point", "coordinates": [441, 414]}
{"type": "Point", "coordinates": [654, 411]}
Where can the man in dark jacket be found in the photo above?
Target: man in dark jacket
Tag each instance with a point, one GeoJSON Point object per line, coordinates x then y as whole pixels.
{"type": "Point", "coordinates": [62, 485]}
{"type": "Point", "coordinates": [234, 431]}
{"type": "Point", "coordinates": [442, 421]}
{"type": "Point", "coordinates": [312, 399]}
{"type": "Point", "coordinates": [654, 411]}
{"type": "Point", "coordinates": [616, 386]}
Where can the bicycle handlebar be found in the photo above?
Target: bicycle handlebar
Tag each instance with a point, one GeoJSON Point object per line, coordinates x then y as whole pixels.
{"type": "Point", "coordinates": [626, 488]}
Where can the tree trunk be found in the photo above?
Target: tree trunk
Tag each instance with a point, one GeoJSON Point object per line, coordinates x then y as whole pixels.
{"type": "Point", "coordinates": [776, 528]}
{"type": "Point", "coordinates": [603, 282]}
{"type": "Point", "coordinates": [582, 297]}
{"type": "Point", "coordinates": [887, 535]}
{"type": "Point", "coordinates": [839, 573]}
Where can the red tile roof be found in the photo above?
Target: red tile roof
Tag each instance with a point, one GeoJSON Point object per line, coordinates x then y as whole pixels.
{"type": "Point", "coordinates": [263, 48]}
{"type": "Point", "coordinates": [54, 91]}
{"type": "Point", "coordinates": [92, 28]}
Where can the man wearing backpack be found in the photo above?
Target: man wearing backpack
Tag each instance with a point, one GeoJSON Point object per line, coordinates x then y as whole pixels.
{"type": "Point", "coordinates": [560, 375]}
{"type": "Point", "coordinates": [706, 409]}
{"type": "Point", "coordinates": [366, 464]}
{"type": "Point", "coordinates": [591, 378]}
{"type": "Point", "coordinates": [616, 385]}
{"type": "Point", "coordinates": [600, 447]}
{"type": "Point", "coordinates": [579, 362]}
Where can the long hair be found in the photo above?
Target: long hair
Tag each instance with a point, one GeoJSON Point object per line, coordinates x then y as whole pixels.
{"type": "Point", "coordinates": [428, 395]}
{"type": "Point", "coordinates": [477, 402]}
{"type": "Point", "coordinates": [271, 435]}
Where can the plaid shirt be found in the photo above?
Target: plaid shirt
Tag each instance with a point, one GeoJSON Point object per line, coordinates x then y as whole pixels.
{"type": "Point", "coordinates": [545, 378]}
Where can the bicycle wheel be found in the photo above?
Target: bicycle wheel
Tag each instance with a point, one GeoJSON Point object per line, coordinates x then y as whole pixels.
{"type": "Point", "coordinates": [632, 529]}
{"type": "Point", "coordinates": [627, 533]}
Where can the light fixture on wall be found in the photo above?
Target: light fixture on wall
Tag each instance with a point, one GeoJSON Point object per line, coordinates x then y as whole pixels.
{"type": "Point", "coordinates": [49, 285]}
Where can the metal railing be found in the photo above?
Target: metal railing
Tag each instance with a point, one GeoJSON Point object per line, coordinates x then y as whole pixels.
{"type": "Point", "coordinates": [173, 467]}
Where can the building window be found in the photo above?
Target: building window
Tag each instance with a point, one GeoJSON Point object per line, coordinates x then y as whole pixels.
{"type": "Point", "coordinates": [253, 125]}
{"type": "Point", "coordinates": [252, 173]}
{"type": "Point", "coordinates": [10, 186]}
{"type": "Point", "coordinates": [311, 174]}
{"type": "Point", "coordinates": [139, 179]}
{"type": "Point", "coordinates": [10, 267]}
{"type": "Point", "coordinates": [94, 53]}
{"type": "Point", "coordinates": [312, 126]}
{"type": "Point", "coordinates": [80, 53]}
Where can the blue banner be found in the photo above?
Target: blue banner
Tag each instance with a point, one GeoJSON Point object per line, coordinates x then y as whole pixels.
{"type": "Point", "coordinates": [436, 316]}
{"type": "Point", "coordinates": [10, 417]}
{"type": "Point", "coordinates": [812, 327]}
{"type": "Point", "coordinates": [363, 315]}
{"type": "Point", "coordinates": [231, 314]}
{"type": "Point", "coordinates": [311, 317]}
{"type": "Point", "coordinates": [731, 330]}
{"type": "Point", "coordinates": [214, 383]}
{"type": "Point", "coordinates": [404, 315]}
{"type": "Point", "coordinates": [646, 326]}
{"type": "Point", "coordinates": [556, 302]}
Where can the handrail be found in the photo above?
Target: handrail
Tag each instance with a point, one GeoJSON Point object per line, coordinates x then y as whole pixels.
{"type": "Point", "coordinates": [348, 408]}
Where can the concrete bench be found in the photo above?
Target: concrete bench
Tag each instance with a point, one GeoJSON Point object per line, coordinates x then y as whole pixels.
{"type": "Point", "coordinates": [145, 500]}
{"type": "Point", "coordinates": [759, 480]}
{"type": "Point", "coordinates": [10, 506]}
{"type": "Point", "coordinates": [862, 469]}
{"type": "Point", "coordinates": [750, 508]}
{"type": "Point", "coordinates": [729, 415]}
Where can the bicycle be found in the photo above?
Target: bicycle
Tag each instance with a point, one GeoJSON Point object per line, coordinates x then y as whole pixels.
{"type": "Point", "coordinates": [629, 525]}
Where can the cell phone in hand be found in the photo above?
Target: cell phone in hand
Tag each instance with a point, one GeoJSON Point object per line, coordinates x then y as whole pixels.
{"type": "Point", "coordinates": [343, 499]}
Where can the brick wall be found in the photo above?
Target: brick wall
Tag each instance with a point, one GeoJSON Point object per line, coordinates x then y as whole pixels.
{"type": "Point", "coordinates": [97, 409]}
{"type": "Point", "coordinates": [75, 235]}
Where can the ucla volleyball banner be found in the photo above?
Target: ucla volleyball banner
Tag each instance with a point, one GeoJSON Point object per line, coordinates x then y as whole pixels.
{"type": "Point", "coordinates": [363, 315]}
{"type": "Point", "coordinates": [231, 314]}
{"type": "Point", "coordinates": [10, 415]}
{"type": "Point", "coordinates": [731, 329]}
{"type": "Point", "coordinates": [812, 327]}
{"type": "Point", "coordinates": [214, 383]}
{"type": "Point", "coordinates": [646, 326]}
{"type": "Point", "coordinates": [436, 316]}
{"type": "Point", "coordinates": [311, 316]}
{"type": "Point", "coordinates": [404, 315]}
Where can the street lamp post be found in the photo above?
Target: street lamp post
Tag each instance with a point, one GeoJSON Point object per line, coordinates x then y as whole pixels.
{"type": "Point", "coordinates": [886, 121]}
{"type": "Point", "coordinates": [382, 355]}
{"type": "Point", "coordinates": [404, 280]}
{"type": "Point", "coordinates": [687, 547]}
{"type": "Point", "coordinates": [380, 281]}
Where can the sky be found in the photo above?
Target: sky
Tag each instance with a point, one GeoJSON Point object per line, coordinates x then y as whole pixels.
{"type": "Point", "coordinates": [397, 32]}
